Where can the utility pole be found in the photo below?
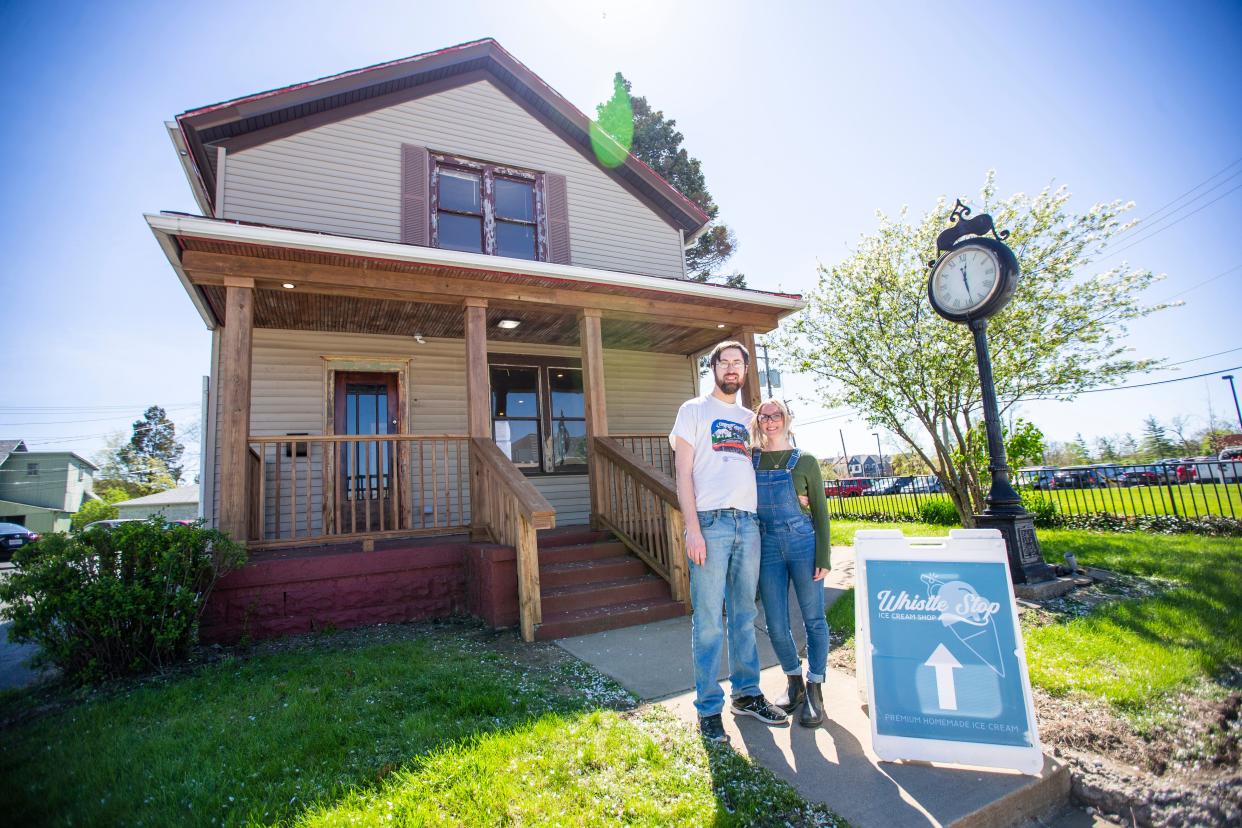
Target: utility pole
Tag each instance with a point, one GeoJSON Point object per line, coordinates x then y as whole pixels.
{"type": "Point", "coordinates": [767, 371]}
{"type": "Point", "coordinates": [879, 451]}
{"type": "Point", "coordinates": [1229, 377]}
{"type": "Point", "coordinates": [845, 457]}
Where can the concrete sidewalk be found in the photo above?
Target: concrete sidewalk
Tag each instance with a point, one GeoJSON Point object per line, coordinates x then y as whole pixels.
{"type": "Point", "coordinates": [833, 764]}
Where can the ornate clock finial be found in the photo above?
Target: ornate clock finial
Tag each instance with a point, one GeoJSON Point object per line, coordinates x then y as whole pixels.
{"type": "Point", "coordinates": [961, 225]}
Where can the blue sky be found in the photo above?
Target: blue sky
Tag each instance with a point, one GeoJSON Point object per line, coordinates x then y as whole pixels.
{"type": "Point", "coordinates": [808, 118]}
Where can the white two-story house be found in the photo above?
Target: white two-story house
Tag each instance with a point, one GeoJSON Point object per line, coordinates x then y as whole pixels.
{"type": "Point", "coordinates": [440, 325]}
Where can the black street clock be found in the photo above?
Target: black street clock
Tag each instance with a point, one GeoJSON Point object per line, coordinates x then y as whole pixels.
{"type": "Point", "coordinates": [974, 277]}
{"type": "Point", "coordinates": [971, 279]}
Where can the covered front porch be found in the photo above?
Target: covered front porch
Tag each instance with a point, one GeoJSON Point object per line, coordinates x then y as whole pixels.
{"type": "Point", "coordinates": [367, 393]}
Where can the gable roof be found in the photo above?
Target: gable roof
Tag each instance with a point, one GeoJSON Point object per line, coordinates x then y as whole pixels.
{"type": "Point", "coordinates": [254, 119]}
{"type": "Point", "coordinates": [7, 447]}
{"type": "Point", "coordinates": [168, 497]}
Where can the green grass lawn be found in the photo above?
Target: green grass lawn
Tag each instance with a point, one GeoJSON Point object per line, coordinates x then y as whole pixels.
{"type": "Point", "coordinates": [1192, 500]}
{"type": "Point", "coordinates": [437, 724]}
{"type": "Point", "coordinates": [1132, 653]}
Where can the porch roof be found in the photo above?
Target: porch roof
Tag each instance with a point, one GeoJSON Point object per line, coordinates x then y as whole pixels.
{"type": "Point", "coordinates": [359, 285]}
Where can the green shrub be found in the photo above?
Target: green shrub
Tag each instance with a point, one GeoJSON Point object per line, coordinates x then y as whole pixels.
{"type": "Point", "coordinates": [107, 603]}
{"type": "Point", "coordinates": [939, 512]}
{"type": "Point", "coordinates": [1217, 526]}
{"type": "Point", "coordinates": [1042, 507]}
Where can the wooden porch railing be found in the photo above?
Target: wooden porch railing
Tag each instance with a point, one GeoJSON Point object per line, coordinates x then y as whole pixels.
{"type": "Point", "coordinates": [639, 504]}
{"type": "Point", "coordinates": [512, 509]}
{"type": "Point", "coordinates": [318, 488]}
{"type": "Point", "coordinates": [652, 449]}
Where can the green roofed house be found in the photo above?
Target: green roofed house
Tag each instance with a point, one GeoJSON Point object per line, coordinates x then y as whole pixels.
{"type": "Point", "coordinates": [42, 489]}
{"type": "Point", "coordinates": [180, 503]}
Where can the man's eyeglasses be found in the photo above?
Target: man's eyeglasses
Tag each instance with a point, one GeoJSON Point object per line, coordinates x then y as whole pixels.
{"type": "Point", "coordinates": [771, 418]}
{"type": "Point", "coordinates": [733, 366]}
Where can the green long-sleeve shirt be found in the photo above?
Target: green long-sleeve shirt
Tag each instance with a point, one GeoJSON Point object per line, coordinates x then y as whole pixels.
{"type": "Point", "coordinates": [809, 481]}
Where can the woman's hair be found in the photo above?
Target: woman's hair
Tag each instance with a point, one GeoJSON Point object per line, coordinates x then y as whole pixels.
{"type": "Point", "coordinates": [758, 438]}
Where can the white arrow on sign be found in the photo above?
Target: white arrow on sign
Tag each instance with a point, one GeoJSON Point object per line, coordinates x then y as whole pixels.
{"type": "Point", "coordinates": [943, 662]}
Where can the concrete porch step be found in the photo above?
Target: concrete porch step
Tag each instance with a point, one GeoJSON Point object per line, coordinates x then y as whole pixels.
{"type": "Point", "coordinates": [603, 593]}
{"type": "Point", "coordinates": [591, 571]}
{"type": "Point", "coordinates": [610, 617]}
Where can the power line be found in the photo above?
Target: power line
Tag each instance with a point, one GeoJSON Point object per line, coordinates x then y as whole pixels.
{"type": "Point", "coordinates": [62, 422]}
{"type": "Point", "coordinates": [1201, 284]}
{"type": "Point", "coordinates": [1147, 384]}
{"type": "Point", "coordinates": [1179, 220]}
{"type": "Point", "coordinates": [1216, 174]}
{"type": "Point", "coordinates": [90, 409]}
{"type": "Point", "coordinates": [1196, 359]}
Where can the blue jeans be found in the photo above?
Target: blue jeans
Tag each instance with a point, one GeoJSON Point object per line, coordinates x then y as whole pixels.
{"type": "Point", "coordinates": [789, 555]}
{"type": "Point", "coordinates": [725, 581]}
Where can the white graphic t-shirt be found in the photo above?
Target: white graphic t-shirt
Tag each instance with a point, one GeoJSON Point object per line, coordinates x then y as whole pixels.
{"type": "Point", "coordinates": [720, 433]}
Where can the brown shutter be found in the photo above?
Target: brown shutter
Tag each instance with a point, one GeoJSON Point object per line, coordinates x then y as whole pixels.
{"type": "Point", "coordinates": [558, 218]}
{"type": "Point", "coordinates": [414, 201]}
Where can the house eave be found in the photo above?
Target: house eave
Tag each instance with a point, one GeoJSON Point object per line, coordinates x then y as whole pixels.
{"type": "Point", "coordinates": [168, 227]}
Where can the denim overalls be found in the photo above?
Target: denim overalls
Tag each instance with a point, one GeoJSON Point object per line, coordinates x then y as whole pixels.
{"type": "Point", "coordinates": [788, 554]}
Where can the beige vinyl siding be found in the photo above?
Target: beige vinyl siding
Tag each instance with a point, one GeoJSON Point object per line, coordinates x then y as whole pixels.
{"type": "Point", "coordinates": [344, 178]}
{"type": "Point", "coordinates": [643, 392]}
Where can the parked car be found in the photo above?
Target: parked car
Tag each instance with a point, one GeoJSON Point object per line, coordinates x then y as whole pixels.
{"type": "Point", "coordinates": [107, 524]}
{"type": "Point", "coordinates": [850, 487]}
{"type": "Point", "coordinates": [14, 536]}
{"type": "Point", "coordinates": [923, 484]}
{"type": "Point", "coordinates": [1140, 477]}
{"type": "Point", "coordinates": [1036, 477]}
{"type": "Point", "coordinates": [1231, 465]}
{"type": "Point", "coordinates": [1079, 477]}
{"type": "Point", "coordinates": [888, 485]}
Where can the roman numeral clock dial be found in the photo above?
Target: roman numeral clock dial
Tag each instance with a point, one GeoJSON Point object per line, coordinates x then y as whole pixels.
{"type": "Point", "coordinates": [970, 281]}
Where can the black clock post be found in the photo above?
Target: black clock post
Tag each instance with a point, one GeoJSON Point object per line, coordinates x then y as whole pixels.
{"type": "Point", "coordinates": [1004, 511]}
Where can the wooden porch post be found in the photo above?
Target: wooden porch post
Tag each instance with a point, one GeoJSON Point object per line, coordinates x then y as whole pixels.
{"type": "Point", "coordinates": [592, 344]}
{"type": "Point", "coordinates": [478, 401]}
{"type": "Point", "coordinates": [750, 392]}
{"type": "Point", "coordinates": [234, 429]}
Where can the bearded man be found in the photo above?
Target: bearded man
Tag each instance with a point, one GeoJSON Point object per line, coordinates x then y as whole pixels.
{"type": "Point", "coordinates": [716, 491]}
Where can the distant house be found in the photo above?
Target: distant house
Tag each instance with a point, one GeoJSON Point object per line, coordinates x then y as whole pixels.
{"type": "Point", "coordinates": [42, 489]}
{"type": "Point", "coordinates": [862, 465]}
{"type": "Point", "coordinates": [180, 503]}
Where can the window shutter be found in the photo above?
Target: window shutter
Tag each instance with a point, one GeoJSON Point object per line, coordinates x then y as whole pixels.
{"type": "Point", "coordinates": [558, 218]}
{"type": "Point", "coordinates": [415, 220]}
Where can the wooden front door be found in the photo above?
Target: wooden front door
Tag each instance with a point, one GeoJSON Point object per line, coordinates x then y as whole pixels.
{"type": "Point", "coordinates": [366, 404]}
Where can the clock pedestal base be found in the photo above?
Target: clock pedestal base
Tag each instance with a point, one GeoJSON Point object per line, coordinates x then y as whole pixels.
{"type": "Point", "coordinates": [1026, 564]}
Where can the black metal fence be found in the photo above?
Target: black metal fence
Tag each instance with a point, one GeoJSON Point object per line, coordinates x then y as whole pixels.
{"type": "Point", "coordinates": [1185, 488]}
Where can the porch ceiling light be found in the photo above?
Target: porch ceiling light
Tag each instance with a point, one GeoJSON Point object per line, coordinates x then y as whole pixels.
{"type": "Point", "coordinates": [721, 325]}
{"type": "Point", "coordinates": [508, 324]}
{"type": "Point", "coordinates": [288, 286]}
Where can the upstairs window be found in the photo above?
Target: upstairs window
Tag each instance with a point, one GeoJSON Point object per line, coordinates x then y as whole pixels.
{"type": "Point", "coordinates": [485, 208]}
{"type": "Point", "coordinates": [32, 469]}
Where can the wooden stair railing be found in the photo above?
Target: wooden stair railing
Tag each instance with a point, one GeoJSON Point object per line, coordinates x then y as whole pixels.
{"type": "Point", "coordinates": [638, 503]}
{"type": "Point", "coordinates": [512, 510]}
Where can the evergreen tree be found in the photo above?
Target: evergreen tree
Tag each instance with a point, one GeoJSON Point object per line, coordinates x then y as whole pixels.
{"type": "Point", "coordinates": [1156, 443]}
{"type": "Point", "coordinates": [632, 124]}
{"type": "Point", "coordinates": [1080, 449]}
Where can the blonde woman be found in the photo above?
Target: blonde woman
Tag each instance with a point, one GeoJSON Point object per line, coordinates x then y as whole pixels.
{"type": "Point", "coordinates": [793, 521]}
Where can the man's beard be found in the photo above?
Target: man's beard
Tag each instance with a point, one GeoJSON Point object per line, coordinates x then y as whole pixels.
{"type": "Point", "coordinates": [728, 386]}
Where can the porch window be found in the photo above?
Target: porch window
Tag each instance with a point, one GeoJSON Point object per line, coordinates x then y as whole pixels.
{"type": "Point", "coordinates": [485, 208]}
{"type": "Point", "coordinates": [539, 417]}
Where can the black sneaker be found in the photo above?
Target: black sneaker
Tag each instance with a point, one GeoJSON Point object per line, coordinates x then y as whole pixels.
{"type": "Point", "coordinates": [758, 707]}
{"type": "Point", "coordinates": [711, 729]}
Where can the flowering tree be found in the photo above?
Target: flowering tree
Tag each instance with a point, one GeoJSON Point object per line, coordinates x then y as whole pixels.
{"type": "Point", "coordinates": [871, 340]}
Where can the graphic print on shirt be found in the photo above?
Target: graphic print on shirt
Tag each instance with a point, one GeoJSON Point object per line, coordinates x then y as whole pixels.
{"type": "Point", "coordinates": [729, 437]}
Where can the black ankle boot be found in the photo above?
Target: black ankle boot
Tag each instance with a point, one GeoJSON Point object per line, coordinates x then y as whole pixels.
{"type": "Point", "coordinates": [795, 692]}
{"type": "Point", "coordinates": [813, 708]}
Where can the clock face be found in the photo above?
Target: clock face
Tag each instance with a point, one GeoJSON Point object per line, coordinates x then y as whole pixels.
{"type": "Point", "coordinates": [965, 279]}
